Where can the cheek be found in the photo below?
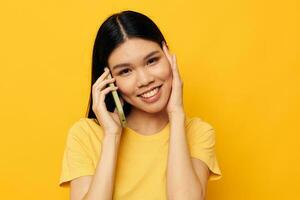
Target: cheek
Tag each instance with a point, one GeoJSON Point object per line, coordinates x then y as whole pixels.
{"type": "Point", "coordinates": [163, 71]}
{"type": "Point", "coordinates": [167, 77]}
{"type": "Point", "coordinates": [124, 86]}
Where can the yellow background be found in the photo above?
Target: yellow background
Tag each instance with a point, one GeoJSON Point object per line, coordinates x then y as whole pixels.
{"type": "Point", "coordinates": [239, 61]}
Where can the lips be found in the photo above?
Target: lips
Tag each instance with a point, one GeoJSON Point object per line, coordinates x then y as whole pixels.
{"type": "Point", "coordinates": [152, 99]}
{"type": "Point", "coordinates": [149, 90]}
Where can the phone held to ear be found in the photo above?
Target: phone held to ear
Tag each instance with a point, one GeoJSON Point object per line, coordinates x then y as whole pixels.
{"type": "Point", "coordinates": [118, 104]}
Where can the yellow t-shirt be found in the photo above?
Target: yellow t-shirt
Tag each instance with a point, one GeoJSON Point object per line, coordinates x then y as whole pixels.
{"type": "Point", "coordinates": [142, 160]}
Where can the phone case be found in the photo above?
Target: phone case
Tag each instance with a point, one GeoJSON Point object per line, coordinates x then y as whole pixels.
{"type": "Point", "coordinates": [118, 104]}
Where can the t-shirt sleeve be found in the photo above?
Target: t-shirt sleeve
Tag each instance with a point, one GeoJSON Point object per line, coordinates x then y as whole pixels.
{"type": "Point", "coordinates": [76, 162]}
{"type": "Point", "coordinates": [201, 139]}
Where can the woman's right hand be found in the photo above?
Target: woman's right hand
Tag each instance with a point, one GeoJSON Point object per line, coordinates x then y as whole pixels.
{"type": "Point", "coordinates": [108, 120]}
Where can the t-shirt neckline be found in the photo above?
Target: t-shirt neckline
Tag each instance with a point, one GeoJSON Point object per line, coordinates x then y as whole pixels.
{"type": "Point", "coordinates": [161, 133]}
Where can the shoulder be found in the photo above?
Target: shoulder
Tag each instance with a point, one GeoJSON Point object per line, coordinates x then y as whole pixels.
{"type": "Point", "coordinates": [85, 128]}
{"type": "Point", "coordinates": [197, 124]}
{"type": "Point", "coordinates": [198, 130]}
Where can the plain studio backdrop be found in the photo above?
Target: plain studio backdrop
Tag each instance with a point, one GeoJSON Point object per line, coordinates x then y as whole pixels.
{"type": "Point", "coordinates": [239, 61]}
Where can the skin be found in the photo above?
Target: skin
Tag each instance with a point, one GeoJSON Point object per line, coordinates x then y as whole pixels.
{"type": "Point", "coordinates": [139, 76]}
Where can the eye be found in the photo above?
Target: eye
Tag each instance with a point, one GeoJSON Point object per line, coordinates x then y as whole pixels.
{"type": "Point", "coordinates": [151, 60]}
{"type": "Point", "coordinates": [124, 71]}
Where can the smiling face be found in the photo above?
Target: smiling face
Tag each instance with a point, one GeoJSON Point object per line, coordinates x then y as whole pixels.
{"type": "Point", "coordinates": [138, 66]}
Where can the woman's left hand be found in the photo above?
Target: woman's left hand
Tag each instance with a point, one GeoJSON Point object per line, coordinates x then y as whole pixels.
{"type": "Point", "coordinates": [175, 103]}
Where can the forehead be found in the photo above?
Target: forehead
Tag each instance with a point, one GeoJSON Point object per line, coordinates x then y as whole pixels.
{"type": "Point", "coordinates": [132, 50]}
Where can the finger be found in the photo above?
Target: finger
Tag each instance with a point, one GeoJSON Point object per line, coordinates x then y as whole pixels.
{"type": "Point", "coordinates": [167, 53]}
{"type": "Point", "coordinates": [102, 77]}
{"type": "Point", "coordinates": [103, 84]}
{"type": "Point", "coordinates": [100, 105]}
{"type": "Point", "coordinates": [97, 89]}
{"type": "Point", "coordinates": [105, 92]}
{"type": "Point", "coordinates": [175, 68]}
{"type": "Point", "coordinates": [172, 60]}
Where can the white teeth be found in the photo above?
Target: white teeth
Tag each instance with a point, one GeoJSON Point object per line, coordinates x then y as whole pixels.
{"type": "Point", "coordinates": [151, 93]}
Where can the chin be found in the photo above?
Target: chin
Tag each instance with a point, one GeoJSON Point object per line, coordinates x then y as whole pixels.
{"type": "Point", "coordinates": [155, 109]}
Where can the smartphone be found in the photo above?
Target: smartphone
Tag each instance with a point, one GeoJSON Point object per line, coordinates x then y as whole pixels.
{"type": "Point", "coordinates": [118, 104]}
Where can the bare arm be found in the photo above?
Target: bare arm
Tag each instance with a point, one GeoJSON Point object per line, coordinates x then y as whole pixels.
{"type": "Point", "coordinates": [101, 185]}
{"type": "Point", "coordinates": [182, 180]}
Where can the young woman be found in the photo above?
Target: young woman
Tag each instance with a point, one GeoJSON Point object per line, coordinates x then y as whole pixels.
{"type": "Point", "coordinates": [162, 153]}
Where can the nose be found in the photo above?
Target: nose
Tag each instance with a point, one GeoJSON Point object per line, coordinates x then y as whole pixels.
{"type": "Point", "coordinates": [144, 78]}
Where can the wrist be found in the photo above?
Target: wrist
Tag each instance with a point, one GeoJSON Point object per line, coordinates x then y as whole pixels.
{"type": "Point", "coordinates": [112, 136]}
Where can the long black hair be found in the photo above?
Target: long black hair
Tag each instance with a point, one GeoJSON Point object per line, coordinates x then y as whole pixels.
{"type": "Point", "coordinates": [114, 31]}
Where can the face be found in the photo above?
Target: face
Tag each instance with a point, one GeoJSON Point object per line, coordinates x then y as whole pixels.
{"type": "Point", "coordinates": [138, 66]}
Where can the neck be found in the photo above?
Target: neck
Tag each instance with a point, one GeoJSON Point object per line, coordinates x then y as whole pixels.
{"type": "Point", "coordinates": [147, 123]}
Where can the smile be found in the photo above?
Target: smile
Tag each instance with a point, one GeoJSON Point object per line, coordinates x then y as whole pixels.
{"type": "Point", "coordinates": [152, 96]}
{"type": "Point", "coordinates": [151, 93]}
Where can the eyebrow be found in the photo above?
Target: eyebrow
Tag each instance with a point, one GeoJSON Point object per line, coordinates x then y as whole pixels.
{"type": "Point", "coordinates": [126, 64]}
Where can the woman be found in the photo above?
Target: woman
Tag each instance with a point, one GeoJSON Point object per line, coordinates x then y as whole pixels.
{"type": "Point", "coordinates": [162, 153]}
